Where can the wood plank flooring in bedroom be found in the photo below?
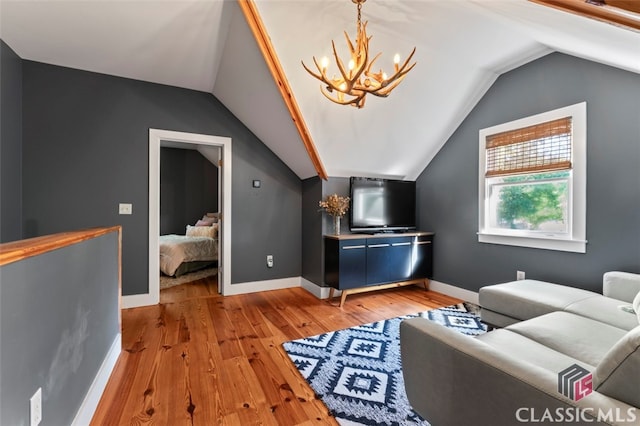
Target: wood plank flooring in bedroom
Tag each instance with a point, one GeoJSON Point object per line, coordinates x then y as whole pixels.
{"type": "Point", "coordinates": [199, 358]}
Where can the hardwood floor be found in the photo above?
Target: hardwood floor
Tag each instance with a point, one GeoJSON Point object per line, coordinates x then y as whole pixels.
{"type": "Point", "coordinates": [199, 358]}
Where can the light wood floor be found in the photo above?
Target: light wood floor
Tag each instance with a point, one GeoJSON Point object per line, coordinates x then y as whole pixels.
{"type": "Point", "coordinates": [199, 358]}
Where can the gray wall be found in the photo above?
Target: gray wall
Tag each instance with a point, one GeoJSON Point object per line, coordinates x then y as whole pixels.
{"type": "Point", "coordinates": [85, 149]}
{"type": "Point", "coordinates": [188, 189]}
{"type": "Point", "coordinates": [448, 187]}
{"type": "Point", "coordinates": [312, 221]}
{"type": "Point", "coordinates": [316, 223]}
{"type": "Point", "coordinates": [10, 144]}
{"type": "Point", "coordinates": [58, 319]}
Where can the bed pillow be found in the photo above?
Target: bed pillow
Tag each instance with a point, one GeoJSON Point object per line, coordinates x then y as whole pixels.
{"type": "Point", "coordinates": [205, 222]}
{"type": "Point", "coordinates": [211, 216]}
{"type": "Point", "coordinates": [202, 231]}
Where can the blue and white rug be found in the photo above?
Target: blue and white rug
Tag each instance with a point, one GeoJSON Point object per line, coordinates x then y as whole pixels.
{"type": "Point", "coordinates": [357, 371]}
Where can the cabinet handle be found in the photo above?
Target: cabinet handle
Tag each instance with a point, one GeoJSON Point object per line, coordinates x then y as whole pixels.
{"type": "Point", "coordinates": [422, 242]}
{"type": "Point", "coordinates": [352, 247]}
{"type": "Point", "coordinates": [401, 244]}
{"type": "Point", "coordinates": [378, 245]}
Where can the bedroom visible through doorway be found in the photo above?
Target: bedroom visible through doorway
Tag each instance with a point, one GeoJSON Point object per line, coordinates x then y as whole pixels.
{"type": "Point", "coordinates": [162, 138]}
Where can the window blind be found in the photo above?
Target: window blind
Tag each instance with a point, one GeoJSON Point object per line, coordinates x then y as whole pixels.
{"type": "Point", "coordinates": [538, 148]}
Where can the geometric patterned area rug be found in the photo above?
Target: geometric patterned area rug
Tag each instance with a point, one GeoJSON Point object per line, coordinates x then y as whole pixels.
{"type": "Point", "coordinates": [357, 371]}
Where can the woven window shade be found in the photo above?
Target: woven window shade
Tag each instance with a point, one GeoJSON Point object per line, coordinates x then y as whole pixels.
{"type": "Point", "coordinates": [538, 148]}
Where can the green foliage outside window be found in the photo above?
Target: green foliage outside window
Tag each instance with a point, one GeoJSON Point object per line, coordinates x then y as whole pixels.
{"type": "Point", "coordinates": [530, 204]}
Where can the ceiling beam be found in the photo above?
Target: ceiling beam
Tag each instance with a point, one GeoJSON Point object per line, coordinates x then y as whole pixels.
{"type": "Point", "coordinates": [616, 12]}
{"type": "Point", "coordinates": [252, 16]}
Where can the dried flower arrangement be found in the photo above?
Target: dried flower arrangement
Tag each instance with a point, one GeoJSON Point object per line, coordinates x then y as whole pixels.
{"type": "Point", "coordinates": [335, 205]}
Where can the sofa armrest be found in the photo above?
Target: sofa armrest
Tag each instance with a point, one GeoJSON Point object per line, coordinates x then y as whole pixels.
{"type": "Point", "coordinates": [453, 379]}
{"type": "Point", "coordinates": [621, 285]}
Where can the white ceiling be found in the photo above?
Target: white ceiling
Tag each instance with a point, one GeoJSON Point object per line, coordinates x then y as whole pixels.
{"type": "Point", "coordinates": [206, 45]}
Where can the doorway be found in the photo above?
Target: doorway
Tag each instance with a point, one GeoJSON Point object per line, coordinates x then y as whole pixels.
{"type": "Point", "coordinates": [162, 138]}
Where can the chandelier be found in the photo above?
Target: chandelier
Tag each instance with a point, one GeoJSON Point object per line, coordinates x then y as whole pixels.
{"type": "Point", "coordinates": [356, 80]}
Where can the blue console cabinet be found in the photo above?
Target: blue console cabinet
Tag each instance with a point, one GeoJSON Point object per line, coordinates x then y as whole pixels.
{"type": "Point", "coordinates": [355, 263]}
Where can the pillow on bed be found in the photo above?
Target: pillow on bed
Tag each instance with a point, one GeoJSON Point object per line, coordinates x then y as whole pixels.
{"type": "Point", "coordinates": [205, 222]}
{"type": "Point", "coordinates": [212, 215]}
{"type": "Point", "coordinates": [202, 231]}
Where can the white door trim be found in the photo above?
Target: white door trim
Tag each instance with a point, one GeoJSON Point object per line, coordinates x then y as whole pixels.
{"type": "Point", "coordinates": [156, 137]}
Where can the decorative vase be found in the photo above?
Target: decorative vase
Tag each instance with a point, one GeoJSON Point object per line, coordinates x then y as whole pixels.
{"type": "Point", "coordinates": [336, 225]}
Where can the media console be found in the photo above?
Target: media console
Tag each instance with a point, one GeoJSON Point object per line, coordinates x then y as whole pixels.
{"type": "Point", "coordinates": [355, 263]}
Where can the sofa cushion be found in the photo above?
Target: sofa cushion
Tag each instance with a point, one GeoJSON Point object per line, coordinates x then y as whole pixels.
{"type": "Point", "coordinates": [606, 310]}
{"type": "Point", "coordinates": [620, 285]}
{"type": "Point", "coordinates": [636, 306]}
{"type": "Point", "coordinates": [529, 298]}
{"type": "Point", "coordinates": [525, 349]}
{"type": "Point", "coordinates": [581, 338]}
{"type": "Point", "coordinates": [617, 374]}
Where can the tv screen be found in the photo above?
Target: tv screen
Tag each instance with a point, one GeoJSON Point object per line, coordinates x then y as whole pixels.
{"type": "Point", "coordinates": [382, 205]}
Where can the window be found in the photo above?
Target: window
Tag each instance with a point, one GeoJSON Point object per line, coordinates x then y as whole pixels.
{"type": "Point", "coordinates": [532, 181]}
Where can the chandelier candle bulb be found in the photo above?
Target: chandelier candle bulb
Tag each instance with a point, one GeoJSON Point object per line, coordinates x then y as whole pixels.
{"type": "Point", "coordinates": [325, 63]}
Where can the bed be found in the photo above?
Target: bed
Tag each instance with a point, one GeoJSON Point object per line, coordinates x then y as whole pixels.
{"type": "Point", "coordinates": [180, 254]}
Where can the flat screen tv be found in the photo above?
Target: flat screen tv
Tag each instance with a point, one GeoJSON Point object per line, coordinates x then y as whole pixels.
{"type": "Point", "coordinates": [382, 205]}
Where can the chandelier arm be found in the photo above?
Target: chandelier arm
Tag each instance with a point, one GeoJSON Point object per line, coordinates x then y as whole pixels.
{"type": "Point", "coordinates": [323, 75]}
{"type": "Point", "coordinates": [329, 96]}
{"type": "Point", "coordinates": [401, 73]}
{"type": "Point", "coordinates": [361, 67]}
{"type": "Point", "coordinates": [384, 91]}
{"type": "Point", "coordinates": [340, 66]}
{"type": "Point", "coordinates": [375, 58]}
{"type": "Point", "coordinates": [408, 59]}
{"type": "Point", "coordinates": [318, 76]}
{"type": "Point", "coordinates": [349, 43]}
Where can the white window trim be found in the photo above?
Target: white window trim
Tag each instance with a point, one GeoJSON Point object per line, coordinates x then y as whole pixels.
{"type": "Point", "coordinates": [576, 241]}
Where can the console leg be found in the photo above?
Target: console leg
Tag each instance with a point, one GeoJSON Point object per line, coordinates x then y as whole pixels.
{"type": "Point", "coordinates": [343, 297]}
{"type": "Point", "coordinates": [331, 290]}
{"type": "Point", "coordinates": [426, 284]}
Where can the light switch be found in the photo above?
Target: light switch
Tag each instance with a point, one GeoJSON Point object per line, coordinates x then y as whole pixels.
{"type": "Point", "coordinates": [125, 208]}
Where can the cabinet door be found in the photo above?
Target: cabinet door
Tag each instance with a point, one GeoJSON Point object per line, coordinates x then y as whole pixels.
{"type": "Point", "coordinates": [353, 264]}
{"type": "Point", "coordinates": [422, 255]}
{"type": "Point", "coordinates": [388, 260]}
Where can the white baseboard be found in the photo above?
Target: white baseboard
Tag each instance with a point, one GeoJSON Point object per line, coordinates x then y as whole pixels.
{"type": "Point", "coordinates": [146, 299]}
{"type": "Point", "coordinates": [92, 398]}
{"type": "Point", "coordinates": [137, 300]}
{"type": "Point", "coordinates": [447, 289]}
{"type": "Point", "coordinates": [453, 291]}
{"type": "Point", "coordinates": [316, 290]}
{"type": "Point", "coordinates": [265, 285]}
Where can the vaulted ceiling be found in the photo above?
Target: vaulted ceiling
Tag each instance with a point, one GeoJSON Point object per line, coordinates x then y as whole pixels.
{"type": "Point", "coordinates": [462, 46]}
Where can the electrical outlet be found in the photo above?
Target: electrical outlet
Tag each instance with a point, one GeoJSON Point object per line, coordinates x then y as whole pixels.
{"type": "Point", "coordinates": [520, 275]}
{"type": "Point", "coordinates": [269, 261]}
{"type": "Point", "coordinates": [35, 404]}
{"type": "Point", "coordinates": [125, 208]}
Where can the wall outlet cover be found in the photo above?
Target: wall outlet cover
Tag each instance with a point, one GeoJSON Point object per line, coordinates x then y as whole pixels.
{"type": "Point", "coordinates": [125, 208]}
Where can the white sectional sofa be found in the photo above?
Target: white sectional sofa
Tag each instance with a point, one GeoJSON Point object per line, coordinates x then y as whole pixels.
{"type": "Point", "coordinates": [512, 375]}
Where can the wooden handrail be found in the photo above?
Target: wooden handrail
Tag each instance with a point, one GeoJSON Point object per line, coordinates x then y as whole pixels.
{"type": "Point", "coordinates": [18, 250]}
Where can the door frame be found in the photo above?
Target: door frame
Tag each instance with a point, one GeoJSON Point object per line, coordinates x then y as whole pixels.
{"type": "Point", "coordinates": [156, 139]}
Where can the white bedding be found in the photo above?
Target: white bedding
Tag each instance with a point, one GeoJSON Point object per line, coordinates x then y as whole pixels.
{"type": "Point", "coordinates": [176, 249]}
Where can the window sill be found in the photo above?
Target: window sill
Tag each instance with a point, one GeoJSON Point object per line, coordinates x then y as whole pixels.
{"type": "Point", "coordinates": [575, 246]}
